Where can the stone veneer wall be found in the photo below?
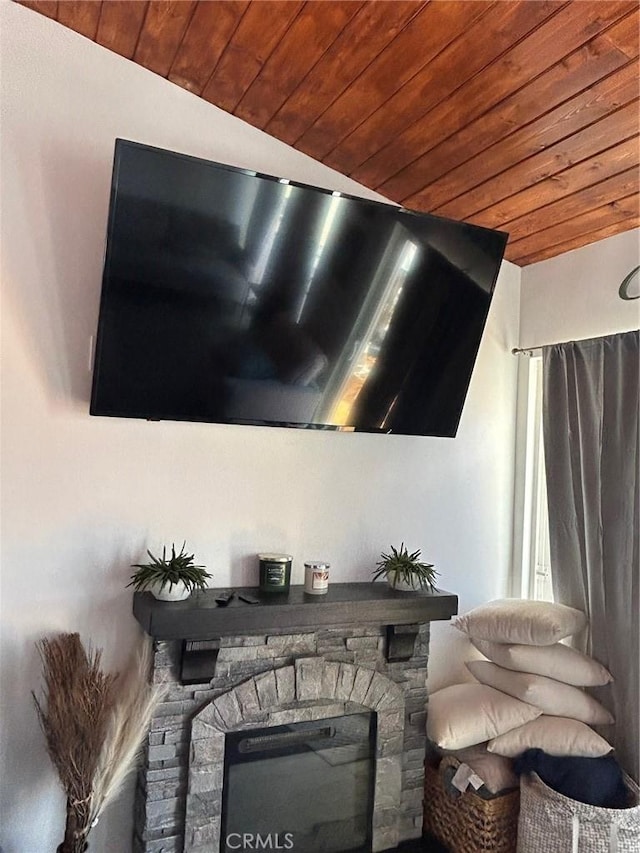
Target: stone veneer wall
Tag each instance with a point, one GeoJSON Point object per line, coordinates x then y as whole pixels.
{"type": "Point", "coordinates": [163, 782]}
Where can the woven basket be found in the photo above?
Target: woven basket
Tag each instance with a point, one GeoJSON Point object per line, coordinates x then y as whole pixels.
{"type": "Point", "coordinates": [469, 823]}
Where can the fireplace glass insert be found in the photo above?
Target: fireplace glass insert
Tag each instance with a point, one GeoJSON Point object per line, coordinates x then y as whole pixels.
{"type": "Point", "coordinates": [306, 787]}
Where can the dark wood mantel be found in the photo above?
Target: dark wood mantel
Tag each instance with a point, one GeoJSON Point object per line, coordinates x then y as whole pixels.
{"type": "Point", "coordinates": [200, 618]}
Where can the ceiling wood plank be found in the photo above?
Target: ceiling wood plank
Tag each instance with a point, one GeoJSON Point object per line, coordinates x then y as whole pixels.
{"type": "Point", "coordinates": [313, 31]}
{"type": "Point", "coordinates": [495, 149]}
{"type": "Point", "coordinates": [431, 30]}
{"type": "Point", "coordinates": [365, 36]}
{"type": "Point", "coordinates": [562, 34]}
{"type": "Point", "coordinates": [48, 8]}
{"type": "Point", "coordinates": [600, 217]}
{"type": "Point", "coordinates": [204, 42]}
{"type": "Point", "coordinates": [80, 16]}
{"type": "Point", "coordinates": [371, 148]}
{"type": "Point", "coordinates": [162, 31]}
{"type": "Point", "coordinates": [575, 243]}
{"type": "Point", "coordinates": [591, 220]}
{"type": "Point", "coordinates": [593, 170]}
{"type": "Point", "coordinates": [611, 189]}
{"type": "Point", "coordinates": [120, 25]}
{"type": "Point", "coordinates": [250, 47]}
{"type": "Point", "coordinates": [623, 123]}
{"type": "Point", "coordinates": [625, 35]}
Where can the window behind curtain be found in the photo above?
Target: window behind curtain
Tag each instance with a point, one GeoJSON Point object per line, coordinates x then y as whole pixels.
{"type": "Point", "coordinates": [531, 569]}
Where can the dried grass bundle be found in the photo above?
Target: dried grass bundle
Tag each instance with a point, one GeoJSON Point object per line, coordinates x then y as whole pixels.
{"type": "Point", "coordinates": [74, 715]}
{"type": "Point", "coordinates": [128, 724]}
{"type": "Point", "coordinates": [94, 724]}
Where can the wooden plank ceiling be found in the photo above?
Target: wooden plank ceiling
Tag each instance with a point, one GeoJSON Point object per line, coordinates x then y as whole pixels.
{"type": "Point", "coordinates": [517, 115]}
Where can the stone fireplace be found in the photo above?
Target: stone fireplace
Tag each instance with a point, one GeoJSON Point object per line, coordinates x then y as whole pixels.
{"type": "Point", "coordinates": [279, 677]}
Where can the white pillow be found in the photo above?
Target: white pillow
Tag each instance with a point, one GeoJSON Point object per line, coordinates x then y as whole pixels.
{"type": "Point", "coordinates": [552, 697]}
{"type": "Point", "coordinates": [557, 661]}
{"type": "Point", "coordinates": [519, 620]}
{"type": "Point", "coordinates": [555, 735]}
{"type": "Point", "coordinates": [466, 714]}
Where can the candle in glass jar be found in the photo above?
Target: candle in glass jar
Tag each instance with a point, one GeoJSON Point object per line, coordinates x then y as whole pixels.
{"type": "Point", "coordinates": [316, 577]}
{"type": "Point", "coordinates": [275, 572]}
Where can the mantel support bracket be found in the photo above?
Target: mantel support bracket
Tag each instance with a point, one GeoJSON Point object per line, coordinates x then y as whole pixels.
{"type": "Point", "coordinates": [401, 640]}
{"type": "Point", "coordinates": [198, 660]}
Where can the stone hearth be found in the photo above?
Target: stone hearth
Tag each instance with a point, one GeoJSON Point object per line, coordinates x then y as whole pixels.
{"type": "Point", "coordinates": [272, 679]}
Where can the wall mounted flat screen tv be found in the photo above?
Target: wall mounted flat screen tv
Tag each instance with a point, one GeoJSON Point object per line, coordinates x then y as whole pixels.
{"type": "Point", "coordinates": [241, 298]}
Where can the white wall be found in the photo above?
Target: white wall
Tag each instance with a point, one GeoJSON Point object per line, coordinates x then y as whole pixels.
{"type": "Point", "coordinates": [83, 497]}
{"type": "Point", "coordinates": [575, 295]}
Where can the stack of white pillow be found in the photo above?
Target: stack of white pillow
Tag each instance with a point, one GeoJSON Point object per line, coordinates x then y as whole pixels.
{"type": "Point", "coordinates": [530, 692]}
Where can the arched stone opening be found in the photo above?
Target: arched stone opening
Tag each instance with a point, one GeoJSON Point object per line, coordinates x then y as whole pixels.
{"type": "Point", "coordinates": [310, 689]}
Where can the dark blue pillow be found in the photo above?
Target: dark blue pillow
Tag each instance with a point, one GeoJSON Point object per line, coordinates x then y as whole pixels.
{"type": "Point", "coordinates": [596, 781]}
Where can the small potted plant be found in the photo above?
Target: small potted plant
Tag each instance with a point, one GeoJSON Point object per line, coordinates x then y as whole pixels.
{"type": "Point", "coordinates": [405, 571]}
{"type": "Point", "coordinates": [169, 578]}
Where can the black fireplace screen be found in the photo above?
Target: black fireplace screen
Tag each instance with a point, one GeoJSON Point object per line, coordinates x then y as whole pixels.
{"type": "Point", "coordinates": [306, 787]}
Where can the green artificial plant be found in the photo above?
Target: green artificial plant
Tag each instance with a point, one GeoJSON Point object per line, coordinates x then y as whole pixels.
{"type": "Point", "coordinates": [400, 565]}
{"type": "Point", "coordinates": [169, 571]}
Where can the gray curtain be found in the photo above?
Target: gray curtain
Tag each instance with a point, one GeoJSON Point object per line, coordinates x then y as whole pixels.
{"type": "Point", "coordinates": [592, 458]}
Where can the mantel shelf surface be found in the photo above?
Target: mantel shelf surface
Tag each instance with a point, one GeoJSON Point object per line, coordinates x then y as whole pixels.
{"type": "Point", "coordinates": [200, 618]}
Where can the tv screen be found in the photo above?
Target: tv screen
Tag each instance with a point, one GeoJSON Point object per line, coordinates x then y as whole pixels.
{"type": "Point", "coordinates": [235, 297]}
